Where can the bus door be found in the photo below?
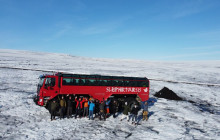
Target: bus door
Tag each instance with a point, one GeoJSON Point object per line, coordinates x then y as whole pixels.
{"type": "Point", "coordinates": [50, 87]}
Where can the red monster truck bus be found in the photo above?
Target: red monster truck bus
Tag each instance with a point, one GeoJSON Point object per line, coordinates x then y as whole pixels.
{"type": "Point", "coordinates": [96, 86]}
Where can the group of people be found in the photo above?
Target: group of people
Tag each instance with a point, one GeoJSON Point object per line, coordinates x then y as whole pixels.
{"type": "Point", "coordinates": [83, 107]}
{"type": "Point", "coordinates": [88, 107]}
{"type": "Point", "coordinates": [132, 113]}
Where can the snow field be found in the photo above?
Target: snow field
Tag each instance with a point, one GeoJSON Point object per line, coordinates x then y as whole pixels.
{"type": "Point", "coordinates": [20, 118]}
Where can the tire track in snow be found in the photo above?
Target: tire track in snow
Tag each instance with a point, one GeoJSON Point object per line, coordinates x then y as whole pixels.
{"type": "Point", "coordinates": [184, 82]}
{"type": "Point", "coordinates": [151, 79]}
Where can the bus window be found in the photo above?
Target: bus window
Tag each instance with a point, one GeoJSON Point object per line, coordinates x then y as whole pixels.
{"type": "Point", "coordinates": [66, 81]}
{"type": "Point", "coordinates": [132, 83]}
{"type": "Point", "coordinates": [126, 83]}
{"type": "Point", "coordinates": [120, 83]}
{"type": "Point", "coordinates": [50, 82]}
{"type": "Point", "coordinates": [142, 83]}
{"type": "Point", "coordinates": [41, 82]}
{"type": "Point", "coordinates": [114, 83]}
{"type": "Point", "coordinates": [88, 83]}
{"type": "Point", "coordinates": [103, 83]}
{"type": "Point", "coordinates": [81, 82]}
{"type": "Point", "coordinates": [109, 83]}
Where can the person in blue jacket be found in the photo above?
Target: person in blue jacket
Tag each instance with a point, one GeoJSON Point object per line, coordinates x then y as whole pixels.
{"type": "Point", "coordinates": [107, 102]}
{"type": "Point", "coordinates": [91, 109]}
{"type": "Point", "coordinates": [145, 110]}
{"type": "Point", "coordinates": [145, 105]}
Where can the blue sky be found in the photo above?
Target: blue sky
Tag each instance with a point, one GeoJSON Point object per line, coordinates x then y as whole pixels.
{"type": "Point", "coordinates": [167, 30]}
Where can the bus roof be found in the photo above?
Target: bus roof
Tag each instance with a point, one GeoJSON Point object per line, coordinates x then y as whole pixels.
{"type": "Point", "coordinates": [101, 77]}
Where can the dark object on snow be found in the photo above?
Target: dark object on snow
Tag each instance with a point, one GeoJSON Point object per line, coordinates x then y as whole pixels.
{"type": "Point", "coordinates": [167, 94]}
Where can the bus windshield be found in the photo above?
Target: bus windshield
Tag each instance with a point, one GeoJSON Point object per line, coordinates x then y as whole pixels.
{"type": "Point", "coordinates": [41, 82]}
{"type": "Point", "coordinates": [50, 82]}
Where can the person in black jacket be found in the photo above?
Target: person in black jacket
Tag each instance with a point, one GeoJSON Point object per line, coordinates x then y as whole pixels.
{"type": "Point", "coordinates": [69, 107]}
{"type": "Point", "coordinates": [53, 108]}
{"type": "Point", "coordinates": [134, 113]}
{"type": "Point", "coordinates": [96, 108]}
{"type": "Point", "coordinates": [115, 108]}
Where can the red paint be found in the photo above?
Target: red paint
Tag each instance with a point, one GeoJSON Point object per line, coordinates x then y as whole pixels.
{"type": "Point", "coordinates": [97, 92]}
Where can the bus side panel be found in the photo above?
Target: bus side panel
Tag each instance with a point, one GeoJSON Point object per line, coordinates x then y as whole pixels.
{"type": "Point", "coordinates": [100, 92]}
{"type": "Point", "coordinates": [145, 95]}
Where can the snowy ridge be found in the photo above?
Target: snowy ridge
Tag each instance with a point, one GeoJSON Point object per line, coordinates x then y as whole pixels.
{"type": "Point", "coordinates": [20, 118]}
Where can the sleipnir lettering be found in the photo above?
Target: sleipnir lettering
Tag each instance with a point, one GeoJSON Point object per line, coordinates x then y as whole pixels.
{"type": "Point", "coordinates": [123, 89]}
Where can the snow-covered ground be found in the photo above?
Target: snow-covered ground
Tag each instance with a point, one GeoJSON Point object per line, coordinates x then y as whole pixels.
{"type": "Point", "coordinates": [20, 118]}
